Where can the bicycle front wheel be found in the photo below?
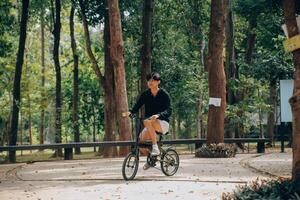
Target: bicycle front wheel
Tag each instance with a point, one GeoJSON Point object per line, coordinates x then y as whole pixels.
{"type": "Point", "coordinates": [130, 166]}
{"type": "Point", "coordinates": [169, 162]}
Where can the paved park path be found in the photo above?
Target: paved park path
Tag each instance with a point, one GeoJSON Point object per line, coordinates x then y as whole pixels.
{"type": "Point", "coordinates": [197, 178]}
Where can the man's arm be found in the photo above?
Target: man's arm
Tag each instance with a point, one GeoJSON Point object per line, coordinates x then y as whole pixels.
{"type": "Point", "coordinates": [138, 104]}
{"type": "Point", "coordinates": [168, 111]}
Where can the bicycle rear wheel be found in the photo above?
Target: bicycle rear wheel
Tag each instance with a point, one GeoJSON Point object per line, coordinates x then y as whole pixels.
{"type": "Point", "coordinates": [169, 162]}
{"type": "Point", "coordinates": [130, 166]}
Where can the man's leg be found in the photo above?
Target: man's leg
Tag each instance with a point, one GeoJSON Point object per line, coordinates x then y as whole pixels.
{"type": "Point", "coordinates": [150, 130]}
{"type": "Point", "coordinates": [152, 126]}
{"type": "Point", "coordinates": [144, 136]}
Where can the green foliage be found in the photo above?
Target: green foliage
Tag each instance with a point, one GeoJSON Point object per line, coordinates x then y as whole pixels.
{"type": "Point", "coordinates": [173, 57]}
{"type": "Point", "coordinates": [91, 107]}
{"type": "Point", "coordinates": [251, 104]}
{"type": "Point", "coordinates": [263, 190]}
{"type": "Point", "coordinates": [178, 29]}
{"type": "Point", "coordinates": [7, 22]}
{"type": "Point", "coordinates": [176, 56]}
{"type": "Point", "coordinates": [270, 63]}
{"type": "Point", "coordinates": [251, 9]}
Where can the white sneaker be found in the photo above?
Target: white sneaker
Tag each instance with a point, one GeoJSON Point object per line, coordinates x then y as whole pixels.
{"type": "Point", "coordinates": [155, 152]}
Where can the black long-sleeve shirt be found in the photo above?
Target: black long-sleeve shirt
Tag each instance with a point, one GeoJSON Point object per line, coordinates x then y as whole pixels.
{"type": "Point", "coordinates": [154, 105]}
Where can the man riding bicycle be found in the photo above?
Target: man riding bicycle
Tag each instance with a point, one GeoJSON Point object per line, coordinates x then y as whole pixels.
{"type": "Point", "coordinates": [157, 112]}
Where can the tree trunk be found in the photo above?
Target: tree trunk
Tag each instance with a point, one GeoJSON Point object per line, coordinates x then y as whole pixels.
{"type": "Point", "coordinates": [109, 118]}
{"type": "Point", "coordinates": [188, 129]}
{"type": "Point", "coordinates": [17, 80]}
{"type": "Point", "coordinates": [6, 131]}
{"type": "Point", "coordinates": [178, 126]}
{"type": "Point", "coordinates": [147, 39]}
{"type": "Point", "coordinates": [216, 74]}
{"type": "Point", "coordinates": [230, 66]}
{"type": "Point", "coordinates": [109, 94]}
{"type": "Point", "coordinates": [202, 47]}
{"type": "Point", "coordinates": [199, 118]}
{"type": "Point", "coordinates": [116, 53]}
{"type": "Point", "coordinates": [272, 114]}
{"type": "Point", "coordinates": [174, 127]}
{"type": "Point", "coordinates": [29, 121]}
{"type": "Point", "coordinates": [260, 116]}
{"type": "Point", "coordinates": [230, 54]}
{"type": "Point", "coordinates": [290, 21]}
{"type": "Point", "coordinates": [42, 125]}
{"type": "Point", "coordinates": [250, 40]}
{"type": "Point", "coordinates": [58, 100]}
{"type": "Point", "coordinates": [75, 80]}
{"type": "Point", "coordinates": [28, 71]}
{"type": "Point", "coordinates": [21, 131]}
{"type": "Point", "coordinates": [88, 43]}
{"type": "Point", "coordinates": [107, 82]}
{"type": "Point", "coordinates": [94, 128]}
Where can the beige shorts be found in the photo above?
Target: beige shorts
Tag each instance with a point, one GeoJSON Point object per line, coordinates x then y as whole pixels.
{"type": "Point", "coordinates": [164, 126]}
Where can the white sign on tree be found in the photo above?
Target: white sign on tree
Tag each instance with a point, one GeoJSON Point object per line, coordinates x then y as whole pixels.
{"type": "Point", "coordinates": [286, 92]}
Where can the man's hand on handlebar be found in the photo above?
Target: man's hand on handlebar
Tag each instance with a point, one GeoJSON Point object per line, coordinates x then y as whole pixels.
{"type": "Point", "coordinates": [126, 114]}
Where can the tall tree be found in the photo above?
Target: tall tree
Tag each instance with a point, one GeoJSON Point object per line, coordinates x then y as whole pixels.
{"type": "Point", "coordinates": [230, 64]}
{"type": "Point", "coordinates": [42, 123]}
{"type": "Point", "coordinates": [272, 115]}
{"type": "Point", "coordinates": [250, 40]}
{"type": "Point", "coordinates": [109, 91]}
{"type": "Point", "coordinates": [106, 81]}
{"type": "Point", "coordinates": [28, 96]}
{"type": "Point", "coordinates": [231, 71]}
{"type": "Point", "coordinates": [292, 29]}
{"type": "Point", "coordinates": [146, 42]}
{"type": "Point", "coordinates": [58, 96]}
{"type": "Point", "coordinates": [216, 74]}
{"type": "Point", "coordinates": [117, 59]}
{"type": "Point", "coordinates": [75, 80]}
{"type": "Point", "coordinates": [17, 80]}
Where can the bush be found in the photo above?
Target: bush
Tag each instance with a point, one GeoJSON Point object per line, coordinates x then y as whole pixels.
{"type": "Point", "coordinates": [220, 150]}
{"type": "Point", "coordinates": [264, 190]}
